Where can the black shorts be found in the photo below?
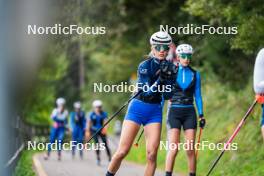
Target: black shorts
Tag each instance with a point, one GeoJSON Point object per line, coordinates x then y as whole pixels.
{"type": "Point", "coordinates": [182, 117]}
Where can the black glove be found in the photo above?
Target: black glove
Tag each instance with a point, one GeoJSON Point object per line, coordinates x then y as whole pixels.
{"type": "Point", "coordinates": [167, 70]}
{"type": "Point", "coordinates": [202, 122]}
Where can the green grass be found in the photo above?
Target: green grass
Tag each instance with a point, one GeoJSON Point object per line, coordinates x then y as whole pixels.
{"type": "Point", "coordinates": [223, 111]}
{"type": "Point", "coordinates": [25, 164]}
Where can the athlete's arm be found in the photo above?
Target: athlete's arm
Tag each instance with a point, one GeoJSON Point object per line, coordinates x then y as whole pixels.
{"type": "Point", "coordinates": [88, 126]}
{"type": "Point", "coordinates": [89, 122]}
{"type": "Point", "coordinates": [53, 116]}
{"type": "Point", "coordinates": [104, 130]}
{"type": "Point", "coordinates": [169, 82]}
{"type": "Point", "coordinates": [144, 80]}
{"type": "Point", "coordinates": [71, 120]}
{"type": "Point", "coordinates": [198, 95]}
{"type": "Point", "coordinates": [66, 119]}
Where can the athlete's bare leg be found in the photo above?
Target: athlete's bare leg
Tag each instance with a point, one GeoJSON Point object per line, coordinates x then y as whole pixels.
{"type": "Point", "coordinates": [128, 134]}
{"type": "Point", "coordinates": [152, 135]}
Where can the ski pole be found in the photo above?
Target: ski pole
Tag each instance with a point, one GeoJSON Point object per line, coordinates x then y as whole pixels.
{"type": "Point", "coordinates": [233, 136]}
{"type": "Point", "coordinates": [139, 137]}
{"type": "Point", "coordinates": [198, 142]}
{"type": "Point", "coordinates": [115, 114]}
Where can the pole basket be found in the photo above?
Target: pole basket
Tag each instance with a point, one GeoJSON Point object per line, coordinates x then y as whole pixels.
{"type": "Point", "coordinates": [136, 145]}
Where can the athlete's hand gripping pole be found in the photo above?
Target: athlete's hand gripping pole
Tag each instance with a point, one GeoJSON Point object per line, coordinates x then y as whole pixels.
{"type": "Point", "coordinates": [168, 70]}
{"type": "Point", "coordinates": [114, 115]}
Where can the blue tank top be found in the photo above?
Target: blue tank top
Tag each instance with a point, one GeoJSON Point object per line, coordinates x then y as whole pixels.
{"type": "Point", "coordinates": [97, 120]}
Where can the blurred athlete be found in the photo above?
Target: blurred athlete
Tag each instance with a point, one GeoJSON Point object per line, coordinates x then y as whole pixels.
{"type": "Point", "coordinates": [59, 117]}
{"type": "Point", "coordinates": [77, 126]}
{"type": "Point", "coordinates": [97, 119]}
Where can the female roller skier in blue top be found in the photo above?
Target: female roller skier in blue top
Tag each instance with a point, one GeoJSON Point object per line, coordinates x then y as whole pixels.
{"type": "Point", "coordinates": [181, 111]}
{"type": "Point", "coordinates": [96, 120]}
{"type": "Point", "coordinates": [59, 117]}
{"type": "Point", "coordinates": [77, 127]}
{"type": "Point", "coordinates": [146, 108]}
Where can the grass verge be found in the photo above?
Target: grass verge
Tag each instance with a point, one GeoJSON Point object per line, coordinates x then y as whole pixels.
{"type": "Point", "coordinates": [25, 164]}
{"type": "Point", "coordinates": [223, 110]}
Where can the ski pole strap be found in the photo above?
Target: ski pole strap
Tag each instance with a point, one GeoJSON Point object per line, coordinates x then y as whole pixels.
{"type": "Point", "coordinates": [114, 115]}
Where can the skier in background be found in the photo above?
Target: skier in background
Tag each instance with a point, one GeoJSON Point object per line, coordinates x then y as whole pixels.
{"type": "Point", "coordinates": [77, 127]}
{"type": "Point", "coordinates": [59, 116]}
{"type": "Point", "coordinates": [97, 118]}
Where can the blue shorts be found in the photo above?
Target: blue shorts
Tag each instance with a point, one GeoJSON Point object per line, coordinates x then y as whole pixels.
{"type": "Point", "coordinates": [144, 113]}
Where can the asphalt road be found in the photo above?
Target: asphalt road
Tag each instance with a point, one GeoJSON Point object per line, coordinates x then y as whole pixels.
{"type": "Point", "coordinates": [86, 166]}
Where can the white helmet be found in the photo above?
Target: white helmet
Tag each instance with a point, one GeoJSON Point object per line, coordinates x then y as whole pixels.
{"type": "Point", "coordinates": [160, 38]}
{"type": "Point", "coordinates": [77, 105]}
{"type": "Point", "coordinates": [97, 103]}
{"type": "Point", "coordinates": [60, 101]}
{"type": "Point", "coordinates": [184, 49]}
